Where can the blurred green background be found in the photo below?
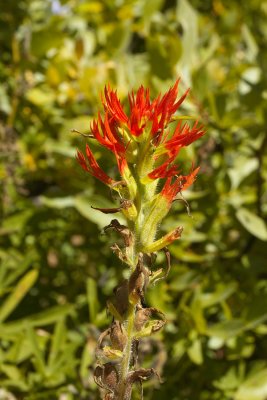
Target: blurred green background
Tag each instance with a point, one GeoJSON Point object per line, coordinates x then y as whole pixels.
{"type": "Point", "coordinates": [57, 270]}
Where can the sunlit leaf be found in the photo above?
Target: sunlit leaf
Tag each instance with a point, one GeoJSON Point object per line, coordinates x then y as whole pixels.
{"type": "Point", "coordinates": [18, 293]}
{"type": "Point", "coordinates": [254, 388]}
{"type": "Point", "coordinates": [252, 223]}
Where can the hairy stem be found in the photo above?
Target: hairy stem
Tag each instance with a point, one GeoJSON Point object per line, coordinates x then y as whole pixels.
{"type": "Point", "coordinates": [126, 361]}
{"type": "Point", "coordinates": [125, 364]}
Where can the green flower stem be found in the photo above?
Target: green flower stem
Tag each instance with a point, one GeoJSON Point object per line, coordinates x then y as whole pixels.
{"type": "Point", "coordinates": [136, 228]}
{"type": "Point", "coordinates": [143, 227]}
{"type": "Point", "coordinates": [125, 364]}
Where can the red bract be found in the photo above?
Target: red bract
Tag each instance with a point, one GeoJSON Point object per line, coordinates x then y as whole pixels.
{"type": "Point", "coordinates": [174, 186]}
{"type": "Point", "coordinates": [140, 111]}
{"type": "Point", "coordinates": [106, 134]}
{"type": "Point", "coordinates": [170, 190]}
{"type": "Point", "coordinates": [165, 107]}
{"type": "Point", "coordinates": [113, 105]}
{"type": "Point", "coordinates": [190, 179]}
{"type": "Point", "coordinates": [90, 165]}
{"type": "Point", "coordinates": [164, 171]}
{"type": "Point", "coordinates": [144, 128]}
{"type": "Point", "coordinates": [184, 135]}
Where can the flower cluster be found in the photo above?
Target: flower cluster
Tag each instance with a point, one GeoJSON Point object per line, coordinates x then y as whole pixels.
{"type": "Point", "coordinates": [144, 129]}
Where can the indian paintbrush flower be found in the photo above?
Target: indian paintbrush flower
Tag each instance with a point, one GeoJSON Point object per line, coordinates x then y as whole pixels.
{"type": "Point", "coordinates": [145, 145]}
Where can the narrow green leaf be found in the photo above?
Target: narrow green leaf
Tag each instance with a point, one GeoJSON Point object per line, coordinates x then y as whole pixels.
{"type": "Point", "coordinates": [87, 358]}
{"type": "Point", "coordinates": [91, 290]}
{"type": "Point", "coordinates": [18, 293]}
{"type": "Point", "coordinates": [226, 329]}
{"type": "Point", "coordinates": [40, 319]}
{"type": "Point", "coordinates": [36, 351]}
{"type": "Point", "coordinates": [57, 202]}
{"type": "Point", "coordinates": [16, 378]}
{"type": "Point", "coordinates": [221, 294]}
{"type": "Point", "coordinates": [58, 341]}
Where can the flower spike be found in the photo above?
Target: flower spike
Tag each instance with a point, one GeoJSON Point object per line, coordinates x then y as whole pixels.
{"type": "Point", "coordinates": [145, 149]}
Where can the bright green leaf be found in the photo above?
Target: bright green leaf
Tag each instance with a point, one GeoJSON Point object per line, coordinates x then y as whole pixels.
{"type": "Point", "coordinates": [252, 223]}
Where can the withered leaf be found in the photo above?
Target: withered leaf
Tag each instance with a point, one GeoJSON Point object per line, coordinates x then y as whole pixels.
{"type": "Point", "coordinates": [118, 335]}
{"type": "Point", "coordinates": [123, 230]}
{"type": "Point", "coordinates": [108, 210]}
{"type": "Point", "coordinates": [138, 281]}
{"type": "Point", "coordinates": [106, 376]}
{"type": "Point", "coordinates": [168, 267]}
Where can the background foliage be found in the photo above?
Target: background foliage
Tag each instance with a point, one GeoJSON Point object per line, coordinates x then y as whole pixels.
{"type": "Point", "coordinates": [57, 270]}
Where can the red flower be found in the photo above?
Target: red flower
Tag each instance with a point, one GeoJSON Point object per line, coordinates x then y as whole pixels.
{"type": "Point", "coordinates": [182, 137]}
{"type": "Point", "coordinates": [190, 179]}
{"type": "Point", "coordinates": [165, 107]}
{"type": "Point", "coordinates": [170, 190]}
{"type": "Point", "coordinates": [147, 120]}
{"type": "Point", "coordinates": [164, 171]}
{"type": "Point", "coordinates": [105, 132]}
{"type": "Point", "coordinates": [182, 182]}
{"type": "Point", "coordinates": [142, 110]}
{"type": "Point", "coordinates": [112, 105]}
{"type": "Point", "coordinates": [90, 165]}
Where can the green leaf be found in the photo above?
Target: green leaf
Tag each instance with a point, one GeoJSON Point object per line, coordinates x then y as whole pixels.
{"type": "Point", "coordinates": [18, 293]}
{"type": "Point", "coordinates": [230, 381]}
{"type": "Point", "coordinates": [198, 314]}
{"type": "Point", "coordinates": [36, 351]}
{"type": "Point", "coordinates": [150, 7]}
{"type": "Point", "coordinates": [16, 378]}
{"type": "Point", "coordinates": [157, 56]}
{"type": "Point", "coordinates": [252, 223]}
{"type": "Point", "coordinates": [57, 202]}
{"type": "Point", "coordinates": [195, 352]}
{"type": "Point", "coordinates": [12, 267]}
{"type": "Point", "coordinates": [87, 359]}
{"type": "Point", "coordinates": [243, 167]}
{"type": "Point", "coordinates": [58, 341]}
{"type": "Point", "coordinates": [187, 15]}
{"type": "Point", "coordinates": [43, 318]}
{"type": "Point", "coordinates": [46, 39]}
{"type": "Point", "coordinates": [226, 329]}
{"type": "Point", "coordinates": [221, 294]}
{"type": "Point", "coordinates": [11, 371]}
{"type": "Point", "coordinates": [64, 149]}
{"type": "Point", "coordinates": [81, 124]}
{"type": "Point", "coordinates": [40, 97]}
{"type": "Point", "coordinates": [254, 388]}
{"type": "Point", "coordinates": [15, 222]}
{"type": "Point", "coordinates": [5, 105]}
